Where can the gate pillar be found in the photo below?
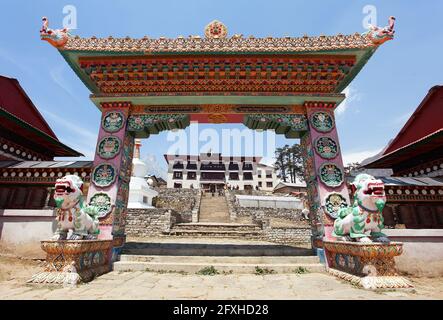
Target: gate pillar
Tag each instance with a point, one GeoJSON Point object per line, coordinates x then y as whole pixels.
{"type": "Point", "coordinates": [324, 173]}
{"type": "Point", "coordinates": [111, 173]}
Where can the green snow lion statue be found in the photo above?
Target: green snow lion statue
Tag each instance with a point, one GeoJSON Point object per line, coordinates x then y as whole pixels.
{"type": "Point", "coordinates": [363, 221]}
{"type": "Point", "coordinates": [72, 213]}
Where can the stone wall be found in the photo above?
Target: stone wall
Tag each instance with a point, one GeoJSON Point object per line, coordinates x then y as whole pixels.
{"type": "Point", "coordinates": [149, 222]}
{"type": "Point", "coordinates": [182, 201]}
{"type": "Point", "coordinates": [296, 236]}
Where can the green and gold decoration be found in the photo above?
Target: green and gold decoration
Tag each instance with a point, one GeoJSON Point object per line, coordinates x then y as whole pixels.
{"type": "Point", "coordinates": [326, 147]}
{"type": "Point", "coordinates": [102, 201]}
{"type": "Point", "coordinates": [104, 175]}
{"type": "Point", "coordinates": [334, 202]}
{"type": "Point", "coordinates": [109, 147]}
{"type": "Point", "coordinates": [331, 175]}
{"type": "Point", "coordinates": [322, 121]}
{"type": "Point", "coordinates": [113, 121]}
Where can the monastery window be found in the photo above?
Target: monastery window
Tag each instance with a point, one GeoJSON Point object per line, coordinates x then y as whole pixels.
{"type": "Point", "coordinates": [192, 175]}
{"type": "Point", "coordinates": [178, 165]}
{"type": "Point", "coordinates": [213, 166]}
{"type": "Point", "coordinates": [145, 199]}
{"type": "Point", "coordinates": [213, 176]}
{"type": "Point", "coordinates": [191, 166]}
{"type": "Point", "coordinates": [269, 184]}
{"type": "Point", "coordinates": [247, 176]}
{"type": "Point", "coordinates": [177, 185]}
{"type": "Point", "coordinates": [259, 173]}
{"type": "Point", "coordinates": [178, 175]}
{"type": "Point", "coordinates": [260, 184]}
{"type": "Point", "coordinates": [247, 166]}
{"type": "Point", "coordinates": [268, 174]}
{"type": "Point", "coordinates": [233, 176]}
{"type": "Point", "coordinates": [233, 166]}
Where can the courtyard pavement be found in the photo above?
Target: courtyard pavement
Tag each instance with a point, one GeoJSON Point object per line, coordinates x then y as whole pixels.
{"type": "Point", "coordinates": [157, 285]}
{"type": "Point", "coordinates": [147, 285]}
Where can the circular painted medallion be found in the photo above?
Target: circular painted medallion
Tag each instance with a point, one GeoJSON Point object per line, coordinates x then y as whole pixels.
{"type": "Point", "coordinates": [334, 202]}
{"type": "Point", "coordinates": [109, 147]}
{"type": "Point", "coordinates": [113, 121]}
{"type": "Point", "coordinates": [322, 121]}
{"type": "Point", "coordinates": [326, 147]}
{"type": "Point", "coordinates": [103, 175]}
{"type": "Point", "coordinates": [102, 202]}
{"type": "Point", "coordinates": [331, 175]}
{"type": "Point", "coordinates": [216, 29]}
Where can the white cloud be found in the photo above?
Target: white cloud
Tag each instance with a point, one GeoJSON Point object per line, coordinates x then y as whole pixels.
{"type": "Point", "coordinates": [359, 156]}
{"type": "Point", "coordinates": [352, 95]}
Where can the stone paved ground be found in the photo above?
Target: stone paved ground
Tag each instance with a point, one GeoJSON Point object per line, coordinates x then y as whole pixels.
{"type": "Point", "coordinates": [147, 285]}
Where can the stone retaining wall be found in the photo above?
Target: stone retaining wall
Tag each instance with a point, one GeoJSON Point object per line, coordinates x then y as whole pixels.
{"type": "Point", "coordinates": [183, 201]}
{"type": "Point", "coordinates": [149, 222]}
{"type": "Point", "coordinates": [298, 236]}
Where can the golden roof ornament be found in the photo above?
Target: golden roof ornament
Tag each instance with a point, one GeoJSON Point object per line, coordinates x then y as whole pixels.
{"type": "Point", "coordinates": [216, 30]}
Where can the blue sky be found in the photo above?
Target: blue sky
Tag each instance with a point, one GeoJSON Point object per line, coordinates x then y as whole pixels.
{"type": "Point", "coordinates": [380, 99]}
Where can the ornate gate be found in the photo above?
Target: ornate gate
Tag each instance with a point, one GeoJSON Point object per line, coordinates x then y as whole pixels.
{"type": "Point", "coordinates": [145, 86]}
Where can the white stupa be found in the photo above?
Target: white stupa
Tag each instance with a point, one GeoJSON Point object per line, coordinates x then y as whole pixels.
{"type": "Point", "coordinates": [140, 194]}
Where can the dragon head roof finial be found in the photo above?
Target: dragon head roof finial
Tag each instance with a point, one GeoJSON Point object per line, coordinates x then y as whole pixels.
{"type": "Point", "coordinates": [380, 35]}
{"type": "Point", "coordinates": [58, 37]}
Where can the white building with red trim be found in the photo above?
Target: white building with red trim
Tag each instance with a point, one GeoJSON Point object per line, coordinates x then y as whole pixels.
{"type": "Point", "coordinates": [212, 169]}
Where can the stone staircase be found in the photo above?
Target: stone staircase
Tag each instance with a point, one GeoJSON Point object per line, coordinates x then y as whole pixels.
{"type": "Point", "coordinates": [214, 222]}
{"type": "Point", "coordinates": [213, 209]}
{"type": "Point", "coordinates": [216, 230]}
{"type": "Point", "coordinates": [230, 256]}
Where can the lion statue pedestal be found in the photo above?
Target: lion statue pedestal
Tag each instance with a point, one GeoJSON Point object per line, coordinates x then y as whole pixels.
{"type": "Point", "coordinates": [361, 253]}
{"type": "Point", "coordinates": [369, 265]}
{"type": "Point", "coordinates": [74, 254]}
{"type": "Point", "coordinates": [70, 262]}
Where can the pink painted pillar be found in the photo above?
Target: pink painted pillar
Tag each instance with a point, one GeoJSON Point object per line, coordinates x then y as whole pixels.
{"type": "Point", "coordinates": [325, 178]}
{"type": "Point", "coordinates": [109, 188]}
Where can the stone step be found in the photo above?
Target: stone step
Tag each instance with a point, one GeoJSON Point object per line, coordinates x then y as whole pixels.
{"type": "Point", "coordinates": [194, 267]}
{"type": "Point", "coordinates": [216, 226]}
{"type": "Point", "coordinates": [214, 232]}
{"type": "Point", "coordinates": [213, 247]}
{"type": "Point", "coordinates": [222, 259]}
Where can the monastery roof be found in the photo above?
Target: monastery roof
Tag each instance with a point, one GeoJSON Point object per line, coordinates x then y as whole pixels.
{"type": "Point", "coordinates": [22, 123]}
{"type": "Point", "coordinates": [15, 101]}
{"type": "Point", "coordinates": [234, 44]}
{"type": "Point", "coordinates": [404, 181]}
{"type": "Point", "coordinates": [45, 164]}
{"type": "Point", "coordinates": [285, 70]}
{"type": "Point", "coordinates": [421, 135]}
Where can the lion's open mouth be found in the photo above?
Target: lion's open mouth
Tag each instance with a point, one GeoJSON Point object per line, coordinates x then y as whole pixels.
{"type": "Point", "coordinates": [63, 188]}
{"type": "Point", "coordinates": [375, 189]}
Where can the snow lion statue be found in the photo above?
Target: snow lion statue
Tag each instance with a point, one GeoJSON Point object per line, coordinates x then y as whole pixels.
{"type": "Point", "coordinates": [363, 221]}
{"type": "Point", "coordinates": [72, 214]}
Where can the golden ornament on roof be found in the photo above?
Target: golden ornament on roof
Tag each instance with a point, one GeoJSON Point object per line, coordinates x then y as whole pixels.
{"type": "Point", "coordinates": [216, 30]}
